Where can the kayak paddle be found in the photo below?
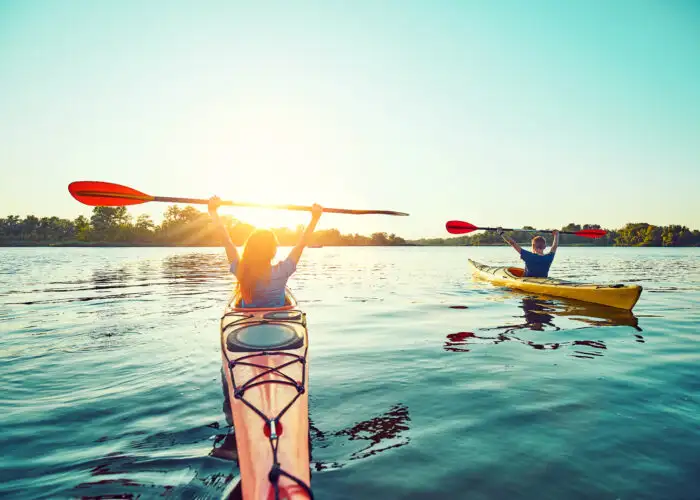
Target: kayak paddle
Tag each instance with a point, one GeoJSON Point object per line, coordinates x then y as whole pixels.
{"type": "Point", "coordinates": [461, 227]}
{"type": "Point", "coordinates": [107, 194]}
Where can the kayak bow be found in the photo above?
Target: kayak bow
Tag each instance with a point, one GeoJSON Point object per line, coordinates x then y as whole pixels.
{"type": "Point", "coordinates": [620, 296]}
{"type": "Point", "coordinates": [264, 356]}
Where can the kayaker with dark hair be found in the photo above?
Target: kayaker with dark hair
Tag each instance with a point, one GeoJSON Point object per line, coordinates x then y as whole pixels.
{"type": "Point", "coordinates": [265, 368]}
{"type": "Point", "coordinates": [537, 262]}
{"type": "Point", "coordinates": [261, 284]}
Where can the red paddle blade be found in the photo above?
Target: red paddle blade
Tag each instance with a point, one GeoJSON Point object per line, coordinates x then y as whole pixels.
{"type": "Point", "coordinates": [591, 233]}
{"type": "Point", "coordinates": [106, 194]}
{"type": "Point", "coordinates": [460, 227]}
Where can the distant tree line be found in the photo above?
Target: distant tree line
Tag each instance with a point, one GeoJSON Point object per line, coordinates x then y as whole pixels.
{"type": "Point", "coordinates": [189, 227]}
{"type": "Point", "coordinates": [180, 227]}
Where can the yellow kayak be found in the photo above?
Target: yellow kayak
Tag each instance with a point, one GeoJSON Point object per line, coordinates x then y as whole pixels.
{"type": "Point", "coordinates": [620, 296]}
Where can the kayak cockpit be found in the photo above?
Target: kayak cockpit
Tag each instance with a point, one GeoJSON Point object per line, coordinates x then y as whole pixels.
{"type": "Point", "coordinates": [271, 331]}
{"type": "Point", "coordinates": [264, 329]}
{"type": "Point", "coordinates": [517, 272]}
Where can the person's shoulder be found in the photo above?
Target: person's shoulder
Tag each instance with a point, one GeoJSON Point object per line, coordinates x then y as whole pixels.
{"type": "Point", "coordinates": [284, 267]}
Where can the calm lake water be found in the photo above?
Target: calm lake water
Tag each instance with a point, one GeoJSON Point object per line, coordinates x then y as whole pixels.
{"type": "Point", "coordinates": [423, 383]}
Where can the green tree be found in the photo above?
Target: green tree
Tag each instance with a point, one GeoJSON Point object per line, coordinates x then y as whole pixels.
{"type": "Point", "coordinates": [110, 223]}
{"type": "Point", "coordinates": [328, 237]}
{"type": "Point", "coordinates": [379, 239]}
{"type": "Point", "coordinates": [144, 223]}
{"type": "Point", "coordinates": [82, 228]}
{"type": "Point", "coordinates": [105, 218]}
{"type": "Point", "coordinates": [143, 230]}
{"type": "Point", "coordinates": [675, 235]}
{"type": "Point", "coordinates": [11, 228]}
{"type": "Point", "coordinates": [30, 227]}
{"type": "Point", "coordinates": [653, 237]}
{"type": "Point", "coordinates": [187, 226]}
{"type": "Point", "coordinates": [633, 234]}
{"type": "Point", "coordinates": [396, 240]}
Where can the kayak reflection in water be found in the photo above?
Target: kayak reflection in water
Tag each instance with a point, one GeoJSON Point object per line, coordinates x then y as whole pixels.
{"type": "Point", "coordinates": [536, 315]}
{"type": "Point", "coordinates": [540, 315]}
{"type": "Point", "coordinates": [537, 262]}
{"type": "Point", "coordinates": [261, 284]}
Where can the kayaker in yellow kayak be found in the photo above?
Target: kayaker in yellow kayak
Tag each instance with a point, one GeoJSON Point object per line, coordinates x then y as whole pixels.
{"type": "Point", "coordinates": [537, 262]}
{"type": "Point", "coordinates": [260, 283]}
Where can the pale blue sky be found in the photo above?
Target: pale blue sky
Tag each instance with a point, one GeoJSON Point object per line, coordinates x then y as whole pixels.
{"type": "Point", "coordinates": [498, 113]}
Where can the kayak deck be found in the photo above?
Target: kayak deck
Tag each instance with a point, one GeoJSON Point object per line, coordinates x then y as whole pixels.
{"type": "Point", "coordinates": [264, 356]}
{"type": "Point", "coordinates": [620, 296]}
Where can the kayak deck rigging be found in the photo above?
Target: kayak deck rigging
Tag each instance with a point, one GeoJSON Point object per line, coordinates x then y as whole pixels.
{"type": "Point", "coordinates": [273, 426]}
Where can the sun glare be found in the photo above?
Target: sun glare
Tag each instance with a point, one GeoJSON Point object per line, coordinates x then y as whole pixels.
{"type": "Point", "coordinates": [266, 219]}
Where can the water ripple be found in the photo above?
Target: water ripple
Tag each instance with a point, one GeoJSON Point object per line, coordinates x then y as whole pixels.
{"type": "Point", "coordinates": [423, 384]}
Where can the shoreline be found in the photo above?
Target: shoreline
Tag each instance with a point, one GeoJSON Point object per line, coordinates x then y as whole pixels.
{"type": "Point", "coordinates": [408, 244]}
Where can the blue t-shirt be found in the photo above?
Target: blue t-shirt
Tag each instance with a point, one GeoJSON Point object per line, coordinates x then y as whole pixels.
{"type": "Point", "coordinates": [536, 266]}
{"type": "Point", "coordinates": [270, 294]}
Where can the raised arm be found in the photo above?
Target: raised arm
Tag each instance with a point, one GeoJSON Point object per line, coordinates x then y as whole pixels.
{"type": "Point", "coordinates": [231, 251]}
{"type": "Point", "coordinates": [295, 254]}
{"type": "Point", "coordinates": [555, 245]}
{"type": "Point", "coordinates": [510, 241]}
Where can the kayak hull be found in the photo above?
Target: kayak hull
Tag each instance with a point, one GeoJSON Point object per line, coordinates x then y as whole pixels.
{"type": "Point", "coordinates": [619, 296]}
{"type": "Point", "coordinates": [264, 356]}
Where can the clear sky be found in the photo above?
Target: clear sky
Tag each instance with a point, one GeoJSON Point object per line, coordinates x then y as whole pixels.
{"type": "Point", "coordinates": [495, 112]}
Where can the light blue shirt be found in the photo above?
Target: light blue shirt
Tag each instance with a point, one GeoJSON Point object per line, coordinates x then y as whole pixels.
{"type": "Point", "coordinates": [270, 294]}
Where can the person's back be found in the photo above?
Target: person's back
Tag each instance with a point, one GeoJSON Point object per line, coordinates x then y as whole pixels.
{"type": "Point", "coordinates": [537, 263]}
{"type": "Point", "coordinates": [266, 285]}
{"type": "Point", "coordinates": [261, 284]}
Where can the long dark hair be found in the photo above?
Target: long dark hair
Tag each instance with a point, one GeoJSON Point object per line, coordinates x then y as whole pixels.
{"type": "Point", "coordinates": [255, 265]}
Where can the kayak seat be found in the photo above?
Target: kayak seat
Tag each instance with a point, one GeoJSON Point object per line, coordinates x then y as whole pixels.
{"type": "Point", "coordinates": [516, 271]}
